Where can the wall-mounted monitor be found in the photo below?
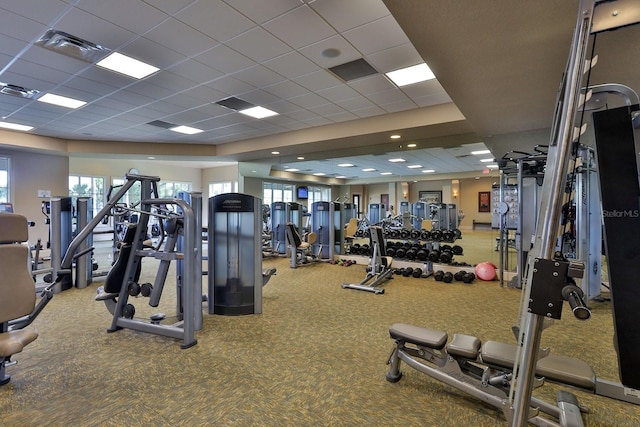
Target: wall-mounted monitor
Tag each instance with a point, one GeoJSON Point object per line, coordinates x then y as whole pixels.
{"type": "Point", "coordinates": [303, 192]}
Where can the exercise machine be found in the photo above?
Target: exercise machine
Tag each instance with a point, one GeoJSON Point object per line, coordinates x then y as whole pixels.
{"type": "Point", "coordinates": [379, 268]}
{"type": "Point", "coordinates": [301, 250]}
{"type": "Point", "coordinates": [235, 256]}
{"type": "Point", "coordinates": [18, 307]}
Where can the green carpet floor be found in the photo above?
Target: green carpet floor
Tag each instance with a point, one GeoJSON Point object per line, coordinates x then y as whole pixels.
{"type": "Point", "coordinates": [316, 356]}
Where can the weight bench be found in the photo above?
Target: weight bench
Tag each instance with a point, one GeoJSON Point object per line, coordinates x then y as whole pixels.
{"type": "Point", "coordinates": [485, 371]}
{"type": "Point", "coordinates": [300, 249]}
{"type": "Point", "coordinates": [379, 268]}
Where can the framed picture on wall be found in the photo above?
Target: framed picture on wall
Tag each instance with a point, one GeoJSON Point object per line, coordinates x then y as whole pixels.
{"type": "Point", "coordinates": [430, 196]}
{"type": "Point", "coordinates": [484, 201]}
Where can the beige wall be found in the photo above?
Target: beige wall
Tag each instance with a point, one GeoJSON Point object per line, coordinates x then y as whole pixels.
{"type": "Point", "coordinates": [31, 172]}
{"type": "Point", "coordinates": [468, 200]}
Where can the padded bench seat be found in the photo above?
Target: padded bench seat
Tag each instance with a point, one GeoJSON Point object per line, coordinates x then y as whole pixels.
{"type": "Point", "coordinates": [562, 369]}
{"type": "Point", "coordinates": [464, 346]}
{"type": "Point", "coordinates": [419, 336]}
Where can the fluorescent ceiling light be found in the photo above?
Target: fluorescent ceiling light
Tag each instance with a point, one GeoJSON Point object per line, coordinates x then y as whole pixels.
{"type": "Point", "coordinates": [368, 170]}
{"type": "Point", "coordinates": [386, 173]}
{"type": "Point", "coordinates": [341, 176]}
{"type": "Point", "coordinates": [492, 166]}
{"type": "Point", "coordinates": [412, 145]}
{"type": "Point", "coordinates": [486, 160]}
{"type": "Point", "coordinates": [395, 137]}
{"type": "Point", "coordinates": [15, 126]}
{"type": "Point", "coordinates": [126, 65]}
{"type": "Point", "coordinates": [186, 130]}
{"type": "Point", "coordinates": [319, 174]}
{"type": "Point", "coordinates": [300, 158]}
{"type": "Point", "coordinates": [414, 166]}
{"type": "Point", "coordinates": [346, 165]}
{"type": "Point", "coordinates": [291, 170]}
{"type": "Point", "coordinates": [258, 112]}
{"type": "Point", "coordinates": [410, 75]}
{"type": "Point", "coordinates": [480, 152]}
{"type": "Point", "coordinates": [62, 101]}
{"type": "Point", "coordinates": [428, 171]}
{"type": "Point", "coordinates": [275, 152]}
{"type": "Point", "coordinates": [397, 160]}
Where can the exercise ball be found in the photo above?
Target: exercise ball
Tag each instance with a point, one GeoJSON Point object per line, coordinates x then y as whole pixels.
{"type": "Point", "coordinates": [485, 271]}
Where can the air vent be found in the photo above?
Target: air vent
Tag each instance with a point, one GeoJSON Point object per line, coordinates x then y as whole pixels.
{"type": "Point", "coordinates": [161, 124]}
{"type": "Point", "coordinates": [19, 91]}
{"type": "Point", "coordinates": [234, 103]}
{"type": "Point", "coordinates": [75, 47]}
{"type": "Point", "coordinates": [353, 70]}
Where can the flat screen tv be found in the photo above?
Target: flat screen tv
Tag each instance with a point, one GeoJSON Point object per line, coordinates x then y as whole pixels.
{"type": "Point", "coordinates": [303, 192]}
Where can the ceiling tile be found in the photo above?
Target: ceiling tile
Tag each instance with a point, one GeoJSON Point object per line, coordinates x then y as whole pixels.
{"type": "Point", "coordinates": [262, 11]}
{"type": "Point", "coordinates": [286, 90]}
{"type": "Point", "coordinates": [191, 42]}
{"type": "Point", "coordinates": [96, 30]}
{"type": "Point", "coordinates": [366, 37]}
{"type": "Point", "coordinates": [170, 7]}
{"type": "Point", "coordinates": [258, 44]}
{"type": "Point", "coordinates": [291, 65]}
{"type": "Point", "coordinates": [215, 19]}
{"type": "Point", "coordinates": [21, 28]}
{"type": "Point", "coordinates": [371, 84]}
{"type": "Point", "coordinates": [258, 76]}
{"type": "Point", "coordinates": [318, 80]}
{"type": "Point", "coordinates": [387, 96]}
{"type": "Point", "coordinates": [152, 53]}
{"type": "Point", "coordinates": [369, 112]}
{"type": "Point", "coordinates": [309, 100]}
{"type": "Point", "coordinates": [338, 93]}
{"type": "Point", "coordinates": [140, 16]}
{"type": "Point", "coordinates": [300, 27]}
{"type": "Point", "coordinates": [395, 58]}
{"type": "Point", "coordinates": [195, 71]}
{"type": "Point", "coordinates": [172, 81]}
{"type": "Point", "coordinates": [347, 52]}
{"type": "Point", "coordinates": [224, 59]}
{"type": "Point", "coordinates": [344, 15]}
{"type": "Point", "coordinates": [230, 86]}
{"type": "Point", "coordinates": [400, 105]}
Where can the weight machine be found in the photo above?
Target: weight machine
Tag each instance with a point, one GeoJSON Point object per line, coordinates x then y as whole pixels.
{"type": "Point", "coordinates": [549, 278]}
{"type": "Point", "coordinates": [379, 268]}
{"type": "Point", "coordinates": [189, 318]}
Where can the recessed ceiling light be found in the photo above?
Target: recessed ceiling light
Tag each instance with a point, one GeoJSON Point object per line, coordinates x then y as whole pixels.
{"type": "Point", "coordinates": [151, 158]}
{"type": "Point", "coordinates": [258, 112]}
{"type": "Point", "coordinates": [368, 170]}
{"type": "Point", "coordinates": [428, 171]}
{"type": "Point", "coordinates": [397, 160]}
{"type": "Point", "coordinates": [414, 166]}
{"type": "Point", "coordinates": [126, 65]}
{"type": "Point", "coordinates": [275, 152]}
{"type": "Point", "coordinates": [15, 126]}
{"type": "Point", "coordinates": [480, 152]}
{"type": "Point", "coordinates": [346, 165]}
{"type": "Point", "coordinates": [386, 173]}
{"type": "Point", "coordinates": [341, 176]}
{"type": "Point", "coordinates": [61, 101]}
{"type": "Point", "coordinates": [291, 170]}
{"type": "Point", "coordinates": [395, 137]}
{"type": "Point", "coordinates": [300, 158]}
{"type": "Point", "coordinates": [412, 145]}
{"type": "Point", "coordinates": [187, 130]}
{"type": "Point", "coordinates": [410, 75]}
{"type": "Point", "coordinates": [492, 166]}
{"type": "Point", "coordinates": [487, 160]}
{"type": "Point", "coordinates": [319, 174]}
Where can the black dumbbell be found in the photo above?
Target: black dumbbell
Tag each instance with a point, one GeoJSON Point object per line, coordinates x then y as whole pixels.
{"type": "Point", "coordinates": [365, 250]}
{"type": "Point", "coordinates": [469, 277]}
{"type": "Point", "coordinates": [425, 235]}
{"type": "Point", "coordinates": [411, 254]}
{"type": "Point", "coordinates": [128, 311]}
{"type": "Point", "coordinates": [133, 289]}
{"type": "Point", "coordinates": [447, 277]}
{"type": "Point", "coordinates": [417, 273]}
{"type": "Point", "coordinates": [457, 233]}
{"type": "Point", "coordinates": [146, 289]}
{"type": "Point", "coordinates": [438, 275]}
{"type": "Point", "coordinates": [436, 235]}
{"type": "Point", "coordinates": [355, 248]}
{"type": "Point", "coordinates": [446, 256]}
{"type": "Point", "coordinates": [434, 255]}
{"type": "Point", "coordinates": [400, 252]}
{"type": "Point", "coordinates": [414, 234]}
{"type": "Point", "coordinates": [406, 272]}
{"type": "Point", "coordinates": [456, 249]}
{"type": "Point", "coordinates": [397, 271]}
{"type": "Point", "coordinates": [404, 233]}
{"type": "Point", "coordinates": [458, 275]}
{"type": "Point", "coordinates": [394, 233]}
{"type": "Point", "coordinates": [447, 236]}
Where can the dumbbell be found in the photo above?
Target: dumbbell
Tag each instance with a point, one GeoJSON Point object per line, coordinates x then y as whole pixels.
{"type": "Point", "coordinates": [438, 275]}
{"type": "Point", "coordinates": [422, 254]}
{"type": "Point", "coordinates": [365, 250]}
{"type": "Point", "coordinates": [146, 289]}
{"type": "Point", "coordinates": [355, 248]}
{"type": "Point", "coordinates": [404, 233]}
{"type": "Point", "coordinates": [457, 233]}
{"type": "Point", "coordinates": [417, 273]}
{"type": "Point", "coordinates": [414, 234]}
{"type": "Point", "coordinates": [406, 272]}
{"type": "Point", "coordinates": [436, 235]}
{"type": "Point", "coordinates": [434, 255]}
{"type": "Point", "coordinates": [394, 233]}
{"type": "Point", "coordinates": [397, 271]}
{"type": "Point", "coordinates": [447, 236]}
{"type": "Point", "coordinates": [400, 252]}
{"type": "Point", "coordinates": [468, 278]}
{"type": "Point", "coordinates": [128, 311]}
{"type": "Point", "coordinates": [133, 289]}
{"type": "Point", "coordinates": [391, 251]}
{"type": "Point", "coordinates": [456, 249]}
{"type": "Point", "coordinates": [459, 275]}
{"type": "Point", "coordinates": [446, 256]}
{"type": "Point", "coordinates": [447, 277]}
{"type": "Point", "coordinates": [411, 254]}
{"type": "Point", "coordinates": [425, 235]}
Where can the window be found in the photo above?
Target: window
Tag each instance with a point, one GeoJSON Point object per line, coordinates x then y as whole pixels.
{"type": "Point", "coordinates": [319, 194]}
{"type": "Point", "coordinates": [222, 187]}
{"type": "Point", "coordinates": [4, 180]}
{"type": "Point", "coordinates": [87, 186]}
{"type": "Point", "coordinates": [277, 192]}
{"type": "Point", "coordinates": [167, 189]}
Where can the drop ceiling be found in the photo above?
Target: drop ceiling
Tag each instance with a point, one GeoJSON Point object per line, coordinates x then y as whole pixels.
{"type": "Point", "coordinates": [498, 67]}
